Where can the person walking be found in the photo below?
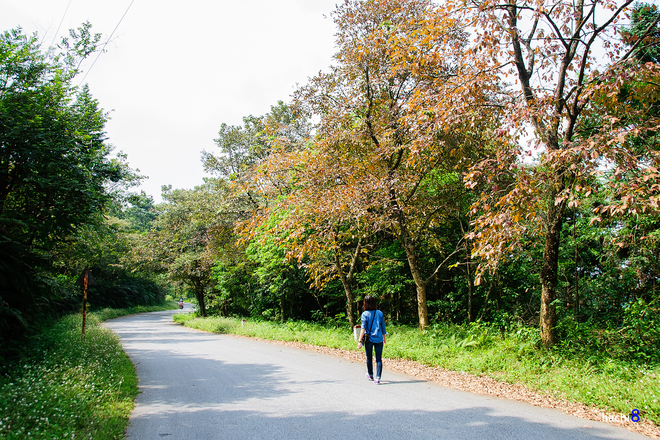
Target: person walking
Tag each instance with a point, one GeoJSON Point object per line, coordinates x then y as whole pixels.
{"type": "Point", "coordinates": [373, 326]}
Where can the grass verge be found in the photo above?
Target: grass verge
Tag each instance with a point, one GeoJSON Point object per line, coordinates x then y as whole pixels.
{"type": "Point", "coordinates": [511, 356]}
{"type": "Point", "coordinates": [69, 388]}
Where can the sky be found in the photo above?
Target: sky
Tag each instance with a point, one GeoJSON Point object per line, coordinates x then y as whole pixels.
{"type": "Point", "coordinates": [173, 72]}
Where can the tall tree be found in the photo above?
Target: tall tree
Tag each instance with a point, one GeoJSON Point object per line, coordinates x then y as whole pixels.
{"type": "Point", "coordinates": [244, 148]}
{"type": "Point", "coordinates": [568, 64]}
{"type": "Point", "coordinates": [246, 162]}
{"type": "Point", "coordinates": [313, 225]}
{"type": "Point", "coordinates": [385, 155]}
{"type": "Point", "coordinates": [183, 238]}
{"type": "Point", "coordinates": [57, 175]}
{"type": "Point", "coordinates": [55, 168]}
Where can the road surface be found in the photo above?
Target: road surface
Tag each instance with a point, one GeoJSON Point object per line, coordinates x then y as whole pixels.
{"type": "Point", "coordinates": [199, 386]}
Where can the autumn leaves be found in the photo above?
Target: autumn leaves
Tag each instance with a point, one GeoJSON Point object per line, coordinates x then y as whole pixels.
{"type": "Point", "coordinates": [423, 121]}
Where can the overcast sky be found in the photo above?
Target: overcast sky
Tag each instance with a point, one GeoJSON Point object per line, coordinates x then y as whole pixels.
{"type": "Point", "coordinates": [174, 71]}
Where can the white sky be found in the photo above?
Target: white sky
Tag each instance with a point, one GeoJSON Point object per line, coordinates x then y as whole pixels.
{"type": "Point", "coordinates": [175, 71]}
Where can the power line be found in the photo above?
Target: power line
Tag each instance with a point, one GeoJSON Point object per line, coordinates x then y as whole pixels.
{"type": "Point", "coordinates": [61, 21]}
{"type": "Point", "coordinates": [106, 43]}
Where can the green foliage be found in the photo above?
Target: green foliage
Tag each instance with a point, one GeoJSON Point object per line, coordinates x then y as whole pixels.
{"type": "Point", "coordinates": [242, 148]}
{"type": "Point", "coordinates": [641, 324]}
{"type": "Point", "coordinates": [643, 16]}
{"type": "Point", "coordinates": [233, 285]}
{"type": "Point", "coordinates": [119, 289]}
{"type": "Point", "coordinates": [635, 340]}
{"type": "Point", "coordinates": [65, 387]}
{"type": "Point", "coordinates": [184, 237]}
{"type": "Point", "coordinates": [104, 249]}
{"type": "Point", "coordinates": [57, 178]}
{"type": "Point", "coordinates": [281, 291]}
{"type": "Point", "coordinates": [388, 279]}
{"type": "Point", "coordinates": [141, 214]}
{"type": "Point", "coordinates": [55, 169]}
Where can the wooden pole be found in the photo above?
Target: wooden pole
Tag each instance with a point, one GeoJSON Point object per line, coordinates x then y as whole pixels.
{"type": "Point", "coordinates": [84, 311]}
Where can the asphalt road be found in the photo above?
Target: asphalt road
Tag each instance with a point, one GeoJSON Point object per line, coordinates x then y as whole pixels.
{"type": "Point", "coordinates": [199, 386]}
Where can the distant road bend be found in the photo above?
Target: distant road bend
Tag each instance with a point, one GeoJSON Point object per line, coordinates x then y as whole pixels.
{"type": "Point", "coordinates": [199, 386]}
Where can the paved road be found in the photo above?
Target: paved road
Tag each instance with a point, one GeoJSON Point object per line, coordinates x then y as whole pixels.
{"type": "Point", "coordinates": [200, 386]}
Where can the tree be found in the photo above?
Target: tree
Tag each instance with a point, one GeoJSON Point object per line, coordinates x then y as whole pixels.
{"type": "Point", "coordinates": [55, 172]}
{"type": "Point", "coordinates": [385, 153]}
{"type": "Point", "coordinates": [568, 93]}
{"type": "Point", "coordinates": [57, 175]}
{"type": "Point", "coordinates": [644, 25]}
{"type": "Point", "coordinates": [309, 232]}
{"type": "Point", "coordinates": [244, 148]}
{"type": "Point", "coordinates": [183, 238]}
{"type": "Point", "coordinates": [245, 152]}
{"type": "Point", "coordinates": [140, 214]}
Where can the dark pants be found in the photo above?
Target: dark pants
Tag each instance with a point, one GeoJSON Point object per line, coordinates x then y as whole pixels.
{"type": "Point", "coordinates": [379, 358]}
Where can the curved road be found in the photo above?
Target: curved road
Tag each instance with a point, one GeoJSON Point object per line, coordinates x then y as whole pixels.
{"type": "Point", "coordinates": [199, 386]}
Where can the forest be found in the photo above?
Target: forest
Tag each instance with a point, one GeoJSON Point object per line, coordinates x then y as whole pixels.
{"type": "Point", "coordinates": [465, 162]}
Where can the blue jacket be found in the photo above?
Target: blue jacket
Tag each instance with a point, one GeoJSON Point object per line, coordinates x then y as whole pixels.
{"type": "Point", "coordinates": [374, 325]}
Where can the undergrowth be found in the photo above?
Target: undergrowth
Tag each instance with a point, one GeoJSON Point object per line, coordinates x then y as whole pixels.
{"type": "Point", "coordinates": [66, 387]}
{"type": "Point", "coordinates": [508, 354]}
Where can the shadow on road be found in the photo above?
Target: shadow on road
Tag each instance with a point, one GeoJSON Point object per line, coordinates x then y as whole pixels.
{"type": "Point", "coordinates": [197, 385]}
{"type": "Point", "coordinates": [469, 424]}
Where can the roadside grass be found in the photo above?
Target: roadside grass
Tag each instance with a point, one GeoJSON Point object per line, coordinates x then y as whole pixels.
{"type": "Point", "coordinates": [66, 387]}
{"type": "Point", "coordinates": [509, 355]}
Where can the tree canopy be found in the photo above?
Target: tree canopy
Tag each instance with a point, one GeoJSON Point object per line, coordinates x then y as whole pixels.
{"type": "Point", "coordinates": [56, 171]}
{"type": "Point", "coordinates": [58, 177]}
{"type": "Point", "coordinates": [461, 161]}
{"type": "Point", "coordinates": [465, 161]}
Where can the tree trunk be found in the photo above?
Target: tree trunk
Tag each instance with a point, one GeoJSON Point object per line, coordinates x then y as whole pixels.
{"type": "Point", "coordinates": [470, 318]}
{"type": "Point", "coordinates": [346, 280]}
{"type": "Point", "coordinates": [420, 283]}
{"type": "Point", "coordinates": [350, 300]}
{"type": "Point", "coordinates": [490, 288]}
{"type": "Point", "coordinates": [549, 270]}
{"type": "Point", "coordinates": [577, 275]}
{"type": "Point", "coordinates": [199, 293]}
{"type": "Point", "coordinates": [422, 310]}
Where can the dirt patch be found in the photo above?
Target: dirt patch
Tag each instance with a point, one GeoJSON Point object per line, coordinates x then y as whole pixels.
{"type": "Point", "coordinates": [487, 386]}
